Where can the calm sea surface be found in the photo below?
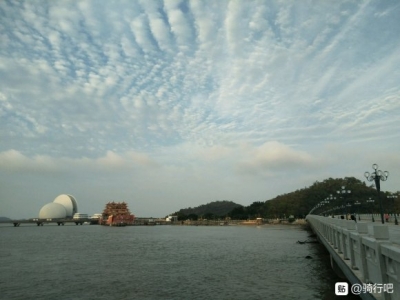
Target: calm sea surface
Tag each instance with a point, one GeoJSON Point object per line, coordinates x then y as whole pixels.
{"type": "Point", "coordinates": [162, 262]}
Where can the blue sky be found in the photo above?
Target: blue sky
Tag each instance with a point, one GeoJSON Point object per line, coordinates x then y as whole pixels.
{"type": "Point", "coordinates": [174, 104]}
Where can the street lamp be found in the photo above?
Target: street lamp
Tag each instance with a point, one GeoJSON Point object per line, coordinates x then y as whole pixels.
{"type": "Point", "coordinates": [343, 192]}
{"type": "Point", "coordinates": [395, 217]}
{"type": "Point", "coordinates": [358, 210]}
{"type": "Point", "coordinates": [331, 198]}
{"type": "Point", "coordinates": [322, 204]}
{"type": "Point", "coordinates": [348, 210]}
{"type": "Point", "coordinates": [372, 210]}
{"type": "Point", "coordinates": [377, 176]}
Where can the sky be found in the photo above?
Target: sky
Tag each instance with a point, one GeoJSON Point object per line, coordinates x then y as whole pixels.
{"type": "Point", "coordinates": [174, 104]}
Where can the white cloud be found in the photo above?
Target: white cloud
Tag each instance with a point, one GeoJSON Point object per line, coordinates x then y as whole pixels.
{"type": "Point", "coordinates": [273, 157]}
{"type": "Point", "coordinates": [195, 88]}
{"type": "Point", "coordinates": [180, 26]}
{"type": "Point", "coordinates": [15, 161]}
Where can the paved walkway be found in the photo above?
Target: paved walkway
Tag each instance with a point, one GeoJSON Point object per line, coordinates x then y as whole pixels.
{"type": "Point", "coordinates": [394, 230]}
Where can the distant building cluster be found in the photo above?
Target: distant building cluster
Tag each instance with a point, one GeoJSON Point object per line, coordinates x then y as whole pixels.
{"type": "Point", "coordinates": [63, 206]}
{"type": "Point", "coordinates": [171, 218]}
{"type": "Point", "coordinates": [117, 213]}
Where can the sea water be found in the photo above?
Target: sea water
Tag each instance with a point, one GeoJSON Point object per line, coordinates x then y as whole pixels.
{"type": "Point", "coordinates": [162, 262]}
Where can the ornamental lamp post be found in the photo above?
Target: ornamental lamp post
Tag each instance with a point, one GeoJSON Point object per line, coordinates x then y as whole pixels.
{"type": "Point", "coordinates": [331, 198]}
{"type": "Point", "coordinates": [325, 202]}
{"type": "Point", "coordinates": [343, 192]}
{"type": "Point", "coordinates": [348, 210]}
{"type": "Point", "coordinates": [372, 211]}
{"type": "Point", "coordinates": [395, 217]}
{"type": "Point", "coordinates": [377, 176]}
{"type": "Point", "coordinates": [358, 210]}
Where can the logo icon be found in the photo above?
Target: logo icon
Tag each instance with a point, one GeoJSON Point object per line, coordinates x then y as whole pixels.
{"type": "Point", "coordinates": [341, 289]}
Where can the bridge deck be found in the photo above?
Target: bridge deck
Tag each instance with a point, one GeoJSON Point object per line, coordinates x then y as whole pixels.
{"type": "Point", "coordinates": [394, 230]}
{"type": "Point", "coordinates": [366, 253]}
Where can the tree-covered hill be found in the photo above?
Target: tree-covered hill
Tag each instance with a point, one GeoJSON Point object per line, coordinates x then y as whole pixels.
{"type": "Point", "coordinates": [207, 211]}
{"type": "Point", "coordinates": [300, 202]}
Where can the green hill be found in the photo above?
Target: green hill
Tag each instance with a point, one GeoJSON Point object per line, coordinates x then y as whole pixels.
{"type": "Point", "coordinates": [216, 209]}
{"type": "Point", "coordinates": [300, 202]}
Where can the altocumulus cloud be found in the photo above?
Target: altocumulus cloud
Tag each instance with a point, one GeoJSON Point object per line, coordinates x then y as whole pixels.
{"type": "Point", "coordinates": [176, 103]}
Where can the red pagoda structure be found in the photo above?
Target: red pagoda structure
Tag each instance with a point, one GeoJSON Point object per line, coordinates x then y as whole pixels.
{"type": "Point", "coordinates": [116, 214]}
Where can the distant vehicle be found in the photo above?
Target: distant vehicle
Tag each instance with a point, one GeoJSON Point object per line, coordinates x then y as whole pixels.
{"type": "Point", "coordinates": [78, 216]}
{"type": "Point", "coordinates": [96, 216]}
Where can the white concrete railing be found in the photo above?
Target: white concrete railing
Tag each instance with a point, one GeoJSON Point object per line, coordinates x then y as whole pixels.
{"type": "Point", "coordinates": [373, 259]}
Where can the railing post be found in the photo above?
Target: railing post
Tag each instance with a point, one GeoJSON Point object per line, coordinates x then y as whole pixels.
{"type": "Point", "coordinates": [374, 260]}
{"type": "Point", "coordinates": [343, 237]}
{"type": "Point", "coordinates": [350, 227]}
{"type": "Point", "coordinates": [338, 233]}
{"type": "Point", "coordinates": [391, 256]}
{"type": "Point", "coordinates": [357, 253]}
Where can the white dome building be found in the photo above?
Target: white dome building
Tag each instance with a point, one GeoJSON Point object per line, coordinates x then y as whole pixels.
{"type": "Point", "coordinates": [53, 210]}
{"type": "Point", "coordinates": [64, 206]}
{"type": "Point", "coordinates": [69, 203]}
